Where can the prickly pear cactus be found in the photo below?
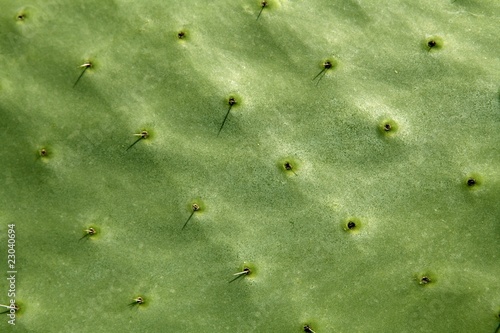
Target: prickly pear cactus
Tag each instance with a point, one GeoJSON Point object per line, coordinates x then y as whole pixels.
{"type": "Point", "coordinates": [250, 166]}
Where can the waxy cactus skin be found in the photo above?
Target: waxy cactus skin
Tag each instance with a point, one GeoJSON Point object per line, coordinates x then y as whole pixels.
{"type": "Point", "coordinates": [362, 196]}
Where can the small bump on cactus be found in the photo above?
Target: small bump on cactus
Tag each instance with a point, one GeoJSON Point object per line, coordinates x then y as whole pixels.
{"type": "Point", "coordinates": [433, 43]}
{"type": "Point", "coordinates": [352, 225]}
{"type": "Point", "coordinates": [289, 165]}
{"type": "Point", "coordinates": [43, 152]}
{"type": "Point", "coordinates": [426, 279]}
{"type": "Point", "coordinates": [388, 127]}
{"type": "Point", "coordinates": [473, 181]}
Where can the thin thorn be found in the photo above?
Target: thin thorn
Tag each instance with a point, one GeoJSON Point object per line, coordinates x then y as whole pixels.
{"type": "Point", "coordinates": [134, 143]}
{"type": "Point", "coordinates": [79, 77]}
{"type": "Point", "coordinates": [290, 169]}
{"type": "Point", "coordinates": [322, 76]}
{"type": "Point", "coordinates": [245, 271]}
{"type": "Point", "coordinates": [307, 329]}
{"type": "Point", "coordinates": [85, 67]}
{"type": "Point", "coordinates": [137, 301]}
{"type": "Point", "coordinates": [85, 236]}
{"type": "Point", "coordinates": [326, 65]}
{"type": "Point", "coordinates": [263, 5]}
{"type": "Point", "coordinates": [142, 135]}
{"type": "Point", "coordinates": [9, 307]}
{"type": "Point", "coordinates": [236, 278]}
{"type": "Point", "coordinates": [324, 69]}
{"type": "Point", "coordinates": [88, 232]}
{"type": "Point", "coordinates": [224, 121]}
{"type": "Point", "coordinates": [260, 12]}
{"type": "Point", "coordinates": [195, 207]}
{"type": "Point", "coordinates": [189, 218]}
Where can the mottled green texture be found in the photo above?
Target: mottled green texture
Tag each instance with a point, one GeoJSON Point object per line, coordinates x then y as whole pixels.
{"type": "Point", "coordinates": [404, 187]}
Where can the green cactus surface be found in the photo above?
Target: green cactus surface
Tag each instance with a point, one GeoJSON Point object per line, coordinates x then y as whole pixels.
{"type": "Point", "coordinates": [251, 166]}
